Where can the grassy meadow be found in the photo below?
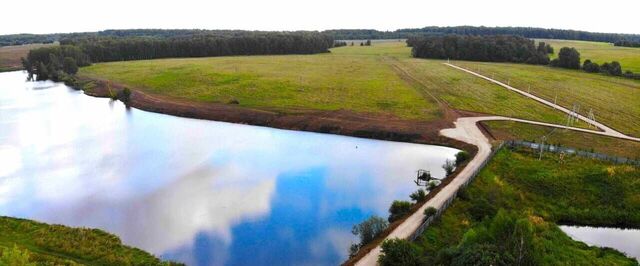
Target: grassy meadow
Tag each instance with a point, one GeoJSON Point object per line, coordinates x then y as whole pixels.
{"type": "Point", "coordinates": [332, 81]}
{"type": "Point", "coordinates": [358, 78]}
{"type": "Point", "coordinates": [24, 241]}
{"type": "Point", "coordinates": [10, 55]}
{"type": "Point", "coordinates": [601, 52]}
{"type": "Point", "coordinates": [542, 192]}
{"type": "Point", "coordinates": [614, 101]}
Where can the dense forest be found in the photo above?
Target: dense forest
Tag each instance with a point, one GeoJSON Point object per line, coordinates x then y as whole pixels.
{"type": "Point", "coordinates": [497, 48]}
{"type": "Point", "coordinates": [625, 43]}
{"type": "Point", "coordinates": [54, 62]}
{"type": "Point", "coordinates": [539, 33]}
{"type": "Point", "coordinates": [346, 34]}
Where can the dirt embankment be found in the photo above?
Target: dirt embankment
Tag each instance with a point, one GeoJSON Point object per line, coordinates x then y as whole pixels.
{"type": "Point", "coordinates": [341, 122]}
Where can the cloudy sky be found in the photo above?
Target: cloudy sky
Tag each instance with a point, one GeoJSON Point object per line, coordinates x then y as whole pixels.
{"type": "Point", "coordinates": [45, 16]}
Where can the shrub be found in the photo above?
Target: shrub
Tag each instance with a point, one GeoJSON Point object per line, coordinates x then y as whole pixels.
{"type": "Point", "coordinates": [448, 167]}
{"type": "Point", "coordinates": [399, 252]}
{"type": "Point", "coordinates": [398, 209]}
{"type": "Point", "coordinates": [612, 68]}
{"type": "Point", "coordinates": [369, 229]}
{"type": "Point", "coordinates": [126, 95]}
{"type": "Point", "coordinates": [590, 67]}
{"type": "Point", "coordinates": [568, 58]}
{"type": "Point", "coordinates": [430, 211]}
{"type": "Point", "coordinates": [15, 257]}
{"type": "Point", "coordinates": [461, 157]}
{"type": "Point", "coordinates": [419, 195]}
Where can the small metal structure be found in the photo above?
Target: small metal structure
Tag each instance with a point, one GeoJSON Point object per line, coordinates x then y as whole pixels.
{"type": "Point", "coordinates": [423, 177]}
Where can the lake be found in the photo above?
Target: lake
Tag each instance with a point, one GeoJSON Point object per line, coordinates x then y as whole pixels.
{"type": "Point", "coordinates": [624, 240]}
{"type": "Point", "coordinates": [195, 191]}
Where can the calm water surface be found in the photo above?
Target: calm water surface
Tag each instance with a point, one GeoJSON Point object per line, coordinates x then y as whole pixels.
{"type": "Point", "coordinates": [195, 191]}
{"type": "Point", "coordinates": [624, 240]}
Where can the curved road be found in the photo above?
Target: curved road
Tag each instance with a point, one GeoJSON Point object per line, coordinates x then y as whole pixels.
{"type": "Point", "coordinates": [466, 130]}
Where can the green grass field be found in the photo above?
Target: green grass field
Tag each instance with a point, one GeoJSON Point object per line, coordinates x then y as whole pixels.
{"type": "Point", "coordinates": [356, 78]}
{"type": "Point", "coordinates": [574, 190]}
{"type": "Point", "coordinates": [614, 101]}
{"type": "Point", "coordinates": [46, 244]}
{"type": "Point", "coordinates": [329, 81]}
{"type": "Point", "coordinates": [600, 52]}
{"type": "Point", "coordinates": [10, 55]}
{"type": "Point", "coordinates": [519, 131]}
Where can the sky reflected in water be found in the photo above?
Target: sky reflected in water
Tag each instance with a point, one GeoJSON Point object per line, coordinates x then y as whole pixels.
{"type": "Point", "coordinates": [200, 192]}
{"type": "Point", "coordinates": [624, 240]}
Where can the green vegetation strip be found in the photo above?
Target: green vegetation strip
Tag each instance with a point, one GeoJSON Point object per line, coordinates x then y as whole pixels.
{"type": "Point", "coordinates": [601, 52]}
{"type": "Point", "coordinates": [43, 244]}
{"type": "Point", "coordinates": [509, 213]}
{"type": "Point", "coordinates": [614, 101]}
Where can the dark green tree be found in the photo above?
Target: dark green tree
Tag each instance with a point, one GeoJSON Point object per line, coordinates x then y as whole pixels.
{"type": "Point", "coordinates": [398, 209]}
{"type": "Point", "coordinates": [569, 58]}
{"type": "Point", "coordinates": [70, 66]}
{"type": "Point", "coordinates": [400, 252]}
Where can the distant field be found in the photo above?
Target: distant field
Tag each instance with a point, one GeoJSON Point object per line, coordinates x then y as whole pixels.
{"type": "Point", "coordinates": [343, 79]}
{"type": "Point", "coordinates": [600, 52]}
{"type": "Point", "coordinates": [615, 101]}
{"type": "Point", "coordinates": [10, 55]}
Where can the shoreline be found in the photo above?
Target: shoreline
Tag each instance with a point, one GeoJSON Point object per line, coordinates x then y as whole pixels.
{"type": "Point", "coordinates": [338, 122]}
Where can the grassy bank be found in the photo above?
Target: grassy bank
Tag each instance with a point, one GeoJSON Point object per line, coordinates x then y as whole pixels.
{"type": "Point", "coordinates": [508, 130]}
{"type": "Point", "coordinates": [60, 245]}
{"type": "Point", "coordinates": [540, 194]}
{"type": "Point", "coordinates": [614, 100]}
{"type": "Point", "coordinates": [601, 52]}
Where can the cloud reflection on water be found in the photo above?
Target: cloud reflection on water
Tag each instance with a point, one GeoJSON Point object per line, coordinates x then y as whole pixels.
{"type": "Point", "coordinates": [202, 192]}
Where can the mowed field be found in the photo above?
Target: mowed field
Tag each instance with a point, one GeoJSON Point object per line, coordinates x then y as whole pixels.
{"type": "Point", "coordinates": [330, 81]}
{"type": "Point", "coordinates": [614, 101]}
{"type": "Point", "coordinates": [10, 55]}
{"type": "Point", "coordinates": [382, 78]}
{"type": "Point", "coordinates": [600, 52]}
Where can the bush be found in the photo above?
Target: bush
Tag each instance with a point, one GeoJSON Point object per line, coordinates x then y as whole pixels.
{"type": "Point", "coordinates": [461, 157]}
{"type": "Point", "coordinates": [448, 167]}
{"type": "Point", "coordinates": [568, 58]}
{"type": "Point", "coordinates": [399, 252]}
{"type": "Point", "coordinates": [430, 211]}
{"type": "Point", "coordinates": [15, 257]}
{"type": "Point", "coordinates": [398, 209]}
{"type": "Point", "coordinates": [612, 68]}
{"type": "Point", "coordinates": [418, 196]}
{"type": "Point", "coordinates": [590, 67]}
{"type": "Point", "coordinates": [369, 229]}
{"type": "Point", "coordinates": [126, 95]}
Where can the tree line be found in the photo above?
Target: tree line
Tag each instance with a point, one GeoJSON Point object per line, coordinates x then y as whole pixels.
{"type": "Point", "coordinates": [626, 43]}
{"type": "Point", "coordinates": [528, 32]}
{"type": "Point", "coordinates": [496, 48]}
{"type": "Point", "coordinates": [338, 34]}
{"type": "Point", "coordinates": [49, 62]}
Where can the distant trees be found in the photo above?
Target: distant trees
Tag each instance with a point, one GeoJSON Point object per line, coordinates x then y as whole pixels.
{"type": "Point", "coordinates": [497, 48]}
{"type": "Point", "coordinates": [613, 68]}
{"type": "Point", "coordinates": [567, 58]}
{"type": "Point", "coordinates": [527, 32]}
{"type": "Point", "coordinates": [626, 43]}
{"type": "Point", "coordinates": [59, 62]}
{"type": "Point", "coordinates": [55, 62]}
